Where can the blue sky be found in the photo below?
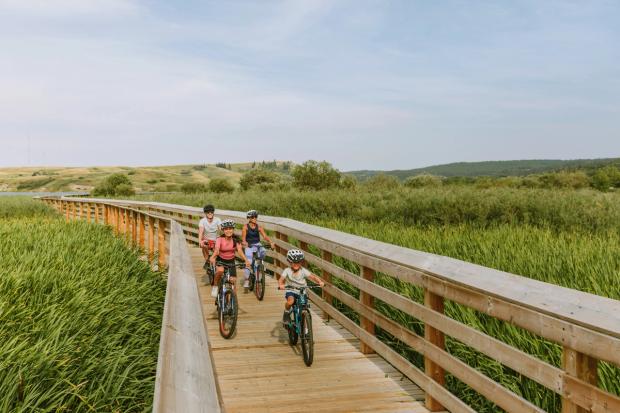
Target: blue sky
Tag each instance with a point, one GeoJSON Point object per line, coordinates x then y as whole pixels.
{"type": "Point", "coordinates": [362, 84]}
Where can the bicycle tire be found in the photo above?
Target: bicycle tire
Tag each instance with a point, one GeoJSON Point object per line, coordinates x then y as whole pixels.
{"type": "Point", "coordinates": [259, 288]}
{"type": "Point", "coordinates": [307, 340]}
{"type": "Point", "coordinates": [227, 314]}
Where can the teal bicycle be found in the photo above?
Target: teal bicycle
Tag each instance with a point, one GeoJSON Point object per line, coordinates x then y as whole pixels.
{"type": "Point", "coordinates": [300, 325]}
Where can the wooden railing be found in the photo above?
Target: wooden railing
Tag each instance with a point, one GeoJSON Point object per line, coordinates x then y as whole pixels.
{"type": "Point", "coordinates": [586, 326]}
{"type": "Point", "coordinates": [185, 380]}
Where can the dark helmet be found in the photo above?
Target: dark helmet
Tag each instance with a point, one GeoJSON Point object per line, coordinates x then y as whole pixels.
{"type": "Point", "coordinates": [252, 213]}
{"type": "Point", "coordinates": [295, 256]}
{"type": "Point", "coordinates": [208, 208]}
{"type": "Point", "coordinates": [228, 223]}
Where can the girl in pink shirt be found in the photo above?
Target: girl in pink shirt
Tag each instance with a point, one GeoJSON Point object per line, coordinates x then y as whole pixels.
{"type": "Point", "coordinates": [224, 254]}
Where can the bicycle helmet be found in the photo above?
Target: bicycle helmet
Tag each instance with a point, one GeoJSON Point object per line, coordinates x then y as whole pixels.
{"type": "Point", "coordinates": [228, 223]}
{"type": "Point", "coordinates": [252, 213]}
{"type": "Point", "coordinates": [208, 208]}
{"type": "Point", "coordinates": [295, 256]}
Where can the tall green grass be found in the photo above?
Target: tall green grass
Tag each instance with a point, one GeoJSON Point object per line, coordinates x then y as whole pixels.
{"type": "Point", "coordinates": [21, 206]}
{"type": "Point", "coordinates": [560, 210]}
{"type": "Point", "coordinates": [80, 317]}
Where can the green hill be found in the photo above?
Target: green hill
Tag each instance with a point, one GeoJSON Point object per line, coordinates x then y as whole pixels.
{"type": "Point", "coordinates": [144, 179]}
{"type": "Point", "coordinates": [495, 168]}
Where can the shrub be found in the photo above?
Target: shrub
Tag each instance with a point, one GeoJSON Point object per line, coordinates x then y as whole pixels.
{"type": "Point", "coordinates": [262, 177]}
{"type": "Point", "coordinates": [220, 185]}
{"type": "Point", "coordinates": [193, 188]}
{"type": "Point", "coordinates": [382, 182]}
{"type": "Point", "coordinates": [348, 182]}
{"type": "Point", "coordinates": [33, 184]}
{"type": "Point", "coordinates": [111, 185]}
{"type": "Point", "coordinates": [315, 175]}
{"type": "Point", "coordinates": [606, 178]}
{"type": "Point", "coordinates": [425, 180]}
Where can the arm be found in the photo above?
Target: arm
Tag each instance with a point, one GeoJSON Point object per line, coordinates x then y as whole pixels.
{"type": "Point", "coordinates": [281, 283]}
{"type": "Point", "coordinates": [216, 252]}
{"type": "Point", "coordinates": [316, 280]}
{"type": "Point", "coordinates": [201, 232]}
{"type": "Point", "coordinates": [244, 233]}
{"type": "Point", "coordinates": [262, 232]}
{"type": "Point", "coordinates": [242, 255]}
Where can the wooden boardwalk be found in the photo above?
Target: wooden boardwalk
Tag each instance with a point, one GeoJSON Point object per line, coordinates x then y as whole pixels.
{"type": "Point", "coordinates": [258, 371]}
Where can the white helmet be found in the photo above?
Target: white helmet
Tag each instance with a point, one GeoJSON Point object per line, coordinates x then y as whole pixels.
{"type": "Point", "coordinates": [295, 256]}
{"type": "Point", "coordinates": [228, 223]}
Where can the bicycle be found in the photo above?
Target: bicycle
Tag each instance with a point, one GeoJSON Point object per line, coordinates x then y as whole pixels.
{"type": "Point", "coordinates": [226, 302]}
{"type": "Point", "coordinates": [257, 274]}
{"type": "Point", "coordinates": [209, 269]}
{"type": "Point", "coordinates": [300, 325]}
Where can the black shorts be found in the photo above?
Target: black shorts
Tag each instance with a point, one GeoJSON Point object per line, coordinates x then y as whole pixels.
{"type": "Point", "coordinates": [233, 269]}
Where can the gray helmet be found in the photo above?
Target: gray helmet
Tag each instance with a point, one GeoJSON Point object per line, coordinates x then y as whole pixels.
{"type": "Point", "coordinates": [252, 213]}
{"type": "Point", "coordinates": [228, 223]}
{"type": "Point", "coordinates": [295, 256]}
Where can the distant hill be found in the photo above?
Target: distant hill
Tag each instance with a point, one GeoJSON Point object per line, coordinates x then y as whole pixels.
{"type": "Point", "coordinates": [147, 178]}
{"type": "Point", "coordinates": [495, 168]}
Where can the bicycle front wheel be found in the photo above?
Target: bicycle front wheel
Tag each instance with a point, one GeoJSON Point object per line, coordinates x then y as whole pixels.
{"type": "Point", "coordinates": [307, 341]}
{"type": "Point", "coordinates": [227, 313]}
{"type": "Point", "coordinates": [259, 288]}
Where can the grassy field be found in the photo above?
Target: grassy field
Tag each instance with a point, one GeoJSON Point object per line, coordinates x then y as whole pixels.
{"type": "Point", "coordinates": [80, 316]}
{"type": "Point", "coordinates": [569, 238]}
{"type": "Point", "coordinates": [156, 178]}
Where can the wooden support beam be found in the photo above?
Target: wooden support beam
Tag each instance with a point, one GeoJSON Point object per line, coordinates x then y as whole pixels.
{"type": "Point", "coordinates": [161, 245]}
{"type": "Point", "coordinates": [327, 256]}
{"type": "Point", "coordinates": [134, 227]}
{"type": "Point", "coordinates": [66, 205]}
{"type": "Point", "coordinates": [580, 366]}
{"type": "Point", "coordinates": [369, 301]}
{"type": "Point", "coordinates": [151, 251]}
{"type": "Point", "coordinates": [141, 230]}
{"type": "Point", "coordinates": [436, 337]}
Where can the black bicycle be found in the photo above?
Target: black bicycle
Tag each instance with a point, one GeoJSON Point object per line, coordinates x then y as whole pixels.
{"type": "Point", "coordinates": [257, 274]}
{"type": "Point", "coordinates": [300, 325]}
{"type": "Point", "coordinates": [226, 302]}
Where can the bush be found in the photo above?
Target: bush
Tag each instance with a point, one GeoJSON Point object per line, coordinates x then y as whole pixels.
{"type": "Point", "coordinates": [33, 184]}
{"type": "Point", "coordinates": [382, 182]}
{"type": "Point", "coordinates": [606, 178]}
{"type": "Point", "coordinates": [262, 177]}
{"type": "Point", "coordinates": [113, 185]}
{"type": "Point", "coordinates": [348, 182]}
{"type": "Point", "coordinates": [220, 185]}
{"type": "Point", "coordinates": [193, 188]}
{"type": "Point", "coordinates": [315, 175]}
{"type": "Point", "coordinates": [420, 181]}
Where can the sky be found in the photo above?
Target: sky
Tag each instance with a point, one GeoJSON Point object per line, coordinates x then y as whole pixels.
{"type": "Point", "coordinates": [362, 84]}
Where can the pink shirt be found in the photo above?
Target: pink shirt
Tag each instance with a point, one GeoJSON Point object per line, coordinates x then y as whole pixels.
{"type": "Point", "coordinates": [226, 247]}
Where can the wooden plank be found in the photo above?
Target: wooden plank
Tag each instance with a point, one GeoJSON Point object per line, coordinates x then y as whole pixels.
{"type": "Point", "coordinates": [161, 243]}
{"type": "Point", "coordinates": [581, 367]}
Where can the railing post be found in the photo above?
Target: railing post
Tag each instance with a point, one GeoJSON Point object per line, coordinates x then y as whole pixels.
{"type": "Point", "coordinates": [161, 246]}
{"type": "Point", "coordinates": [327, 256]}
{"type": "Point", "coordinates": [106, 214]}
{"type": "Point", "coordinates": [134, 227]}
{"type": "Point", "coordinates": [117, 219]}
{"type": "Point", "coordinates": [141, 230]}
{"type": "Point", "coordinates": [581, 366]}
{"type": "Point", "coordinates": [73, 211]}
{"type": "Point", "coordinates": [151, 238]}
{"type": "Point", "coordinates": [66, 204]}
{"type": "Point", "coordinates": [127, 226]}
{"type": "Point", "coordinates": [436, 337]}
{"type": "Point", "coordinates": [367, 300]}
{"type": "Point", "coordinates": [96, 205]}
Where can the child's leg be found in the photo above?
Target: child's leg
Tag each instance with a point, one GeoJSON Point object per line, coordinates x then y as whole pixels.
{"type": "Point", "coordinates": [290, 300]}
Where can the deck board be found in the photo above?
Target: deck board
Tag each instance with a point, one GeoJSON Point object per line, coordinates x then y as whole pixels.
{"type": "Point", "coordinates": [258, 371]}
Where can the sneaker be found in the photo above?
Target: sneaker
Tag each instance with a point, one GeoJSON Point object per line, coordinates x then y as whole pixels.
{"type": "Point", "coordinates": [214, 292]}
{"type": "Point", "coordinates": [246, 284]}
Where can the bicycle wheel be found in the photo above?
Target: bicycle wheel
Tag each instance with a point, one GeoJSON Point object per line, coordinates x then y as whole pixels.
{"type": "Point", "coordinates": [307, 341]}
{"type": "Point", "coordinates": [251, 281]}
{"type": "Point", "coordinates": [259, 288]}
{"type": "Point", "coordinates": [227, 313]}
{"type": "Point", "coordinates": [210, 274]}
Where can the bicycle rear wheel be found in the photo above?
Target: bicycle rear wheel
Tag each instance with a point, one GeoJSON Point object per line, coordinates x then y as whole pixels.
{"type": "Point", "coordinates": [292, 329]}
{"type": "Point", "coordinates": [227, 313]}
{"type": "Point", "coordinates": [307, 341]}
{"type": "Point", "coordinates": [259, 288]}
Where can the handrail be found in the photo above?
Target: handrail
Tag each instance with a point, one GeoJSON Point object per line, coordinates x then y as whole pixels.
{"type": "Point", "coordinates": [585, 325]}
{"type": "Point", "coordinates": [185, 379]}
